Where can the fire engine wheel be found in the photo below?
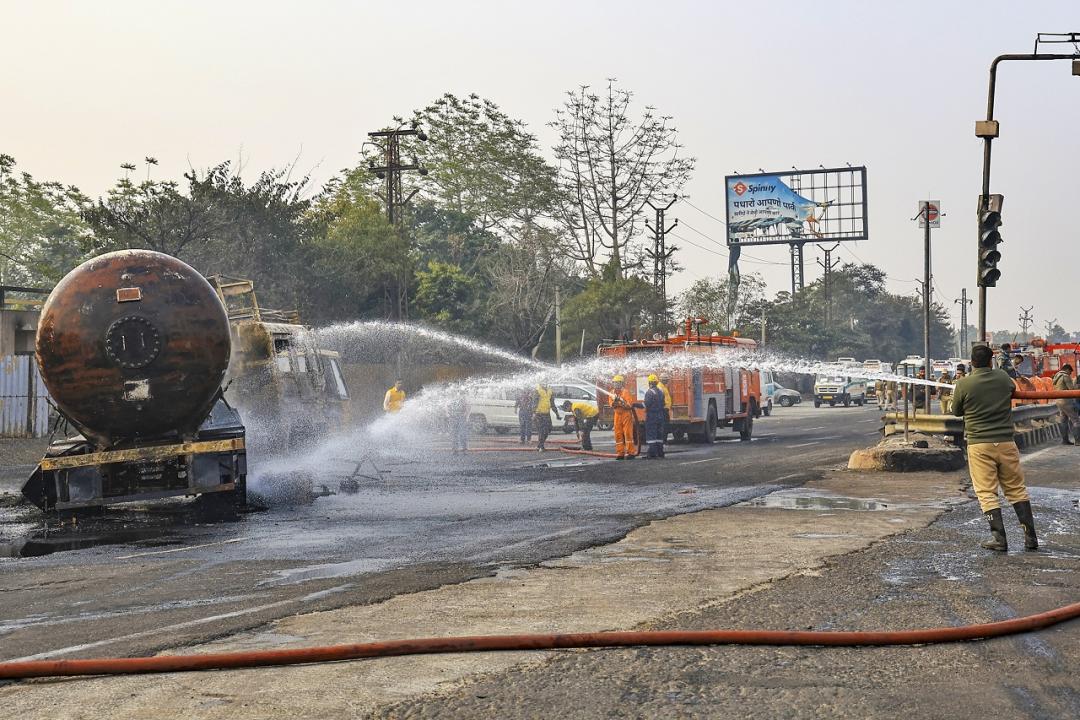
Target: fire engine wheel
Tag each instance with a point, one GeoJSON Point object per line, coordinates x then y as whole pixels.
{"type": "Point", "coordinates": [710, 426]}
{"type": "Point", "coordinates": [746, 429]}
{"type": "Point", "coordinates": [767, 410]}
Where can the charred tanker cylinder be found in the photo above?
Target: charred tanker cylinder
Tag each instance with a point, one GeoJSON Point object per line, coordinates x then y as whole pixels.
{"type": "Point", "coordinates": [133, 344]}
{"type": "Point", "coordinates": [133, 347]}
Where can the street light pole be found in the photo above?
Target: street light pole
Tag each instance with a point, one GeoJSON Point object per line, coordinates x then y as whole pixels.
{"type": "Point", "coordinates": [988, 129]}
{"type": "Point", "coordinates": [926, 299]}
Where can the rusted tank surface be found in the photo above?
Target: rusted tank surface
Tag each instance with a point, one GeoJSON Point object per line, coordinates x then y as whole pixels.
{"type": "Point", "coordinates": [133, 344]}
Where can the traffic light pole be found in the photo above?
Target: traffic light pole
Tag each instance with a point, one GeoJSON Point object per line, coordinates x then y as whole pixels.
{"type": "Point", "coordinates": [988, 130]}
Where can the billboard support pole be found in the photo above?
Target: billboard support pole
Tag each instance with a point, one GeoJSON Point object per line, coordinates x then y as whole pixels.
{"type": "Point", "coordinates": [797, 268]}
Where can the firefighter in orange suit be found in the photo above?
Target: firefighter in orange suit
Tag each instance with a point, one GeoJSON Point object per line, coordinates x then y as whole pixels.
{"type": "Point", "coordinates": [622, 403]}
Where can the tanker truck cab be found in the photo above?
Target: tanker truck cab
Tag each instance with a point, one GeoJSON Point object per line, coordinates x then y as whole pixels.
{"type": "Point", "coordinates": [279, 373]}
{"type": "Point", "coordinates": [833, 387]}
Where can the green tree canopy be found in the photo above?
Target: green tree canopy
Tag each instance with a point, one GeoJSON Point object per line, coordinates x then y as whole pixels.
{"type": "Point", "coordinates": [42, 234]}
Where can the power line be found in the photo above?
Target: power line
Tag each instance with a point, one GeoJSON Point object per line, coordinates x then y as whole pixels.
{"type": "Point", "coordinates": [700, 247]}
{"type": "Point", "coordinates": [753, 258]}
{"type": "Point", "coordinates": [703, 212]}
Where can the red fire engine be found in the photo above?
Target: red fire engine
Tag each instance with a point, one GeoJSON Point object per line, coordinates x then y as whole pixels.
{"type": "Point", "coordinates": [1057, 354]}
{"type": "Point", "coordinates": [704, 397]}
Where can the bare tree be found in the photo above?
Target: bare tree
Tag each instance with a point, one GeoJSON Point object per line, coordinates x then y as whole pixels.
{"type": "Point", "coordinates": [522, 277]}
{"type": "Point", "coordinates": [609, 166]}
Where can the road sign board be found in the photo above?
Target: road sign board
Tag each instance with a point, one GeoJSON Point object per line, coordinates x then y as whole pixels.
{"type": "Point", "coordinates": [933, 213]}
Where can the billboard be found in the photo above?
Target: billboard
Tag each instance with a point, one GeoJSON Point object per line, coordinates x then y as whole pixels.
{"type": "Point", "coordinates": [796, 206]}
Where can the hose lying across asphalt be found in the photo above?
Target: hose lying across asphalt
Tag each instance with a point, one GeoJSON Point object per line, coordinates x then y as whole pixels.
{"type": "Point", "coordinates": [489, 643]}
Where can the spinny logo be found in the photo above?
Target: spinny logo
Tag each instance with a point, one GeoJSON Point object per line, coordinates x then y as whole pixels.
{"type": "Point", "coordinates": [739, 188]}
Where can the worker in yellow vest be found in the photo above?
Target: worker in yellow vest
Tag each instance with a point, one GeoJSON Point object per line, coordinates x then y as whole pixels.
{"type": "Point", "coordinates": [394, 398]}
{"type": "Point", "coordinates": [585, 416]}
{"type": "Point", "coordinates": [542, 414]}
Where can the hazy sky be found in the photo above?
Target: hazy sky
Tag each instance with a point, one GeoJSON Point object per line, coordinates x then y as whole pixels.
{"type": "Point", "coordinates": [895, 86]}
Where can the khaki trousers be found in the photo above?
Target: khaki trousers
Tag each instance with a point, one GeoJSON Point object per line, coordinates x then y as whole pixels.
{"type": "Point", "coordinates": [946, 404]}
{"type": "Point", "coordinates": [1067, 408]}
{"type": "Point", "coordinates": [992, 465]}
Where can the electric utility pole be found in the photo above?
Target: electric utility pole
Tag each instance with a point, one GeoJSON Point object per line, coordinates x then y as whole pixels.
{"type": "Point", "coordinates": [929, 216]}
{"type": "Point", "coordinates": [660, 254]}
{"type": "Point", "coordinates": [389, 142]}
{"type": "Point", "coordinates": [828, 265]}
{"type": "Point", "coordinates": [1050, 329]}
{"type": "Point", "coordinates": [1025, 320]}
{"type": "Point", "coordinates": [964, 302]}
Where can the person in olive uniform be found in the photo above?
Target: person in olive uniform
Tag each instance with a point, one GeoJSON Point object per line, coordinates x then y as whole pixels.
{"type": "Point", "coordinates": [984, 400]}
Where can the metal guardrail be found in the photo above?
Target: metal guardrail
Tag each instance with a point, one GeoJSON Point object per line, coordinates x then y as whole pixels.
{"type": "Point", "coordinates": [1025, 413]}
{"type": "Point", "coordinates": [951, 425]}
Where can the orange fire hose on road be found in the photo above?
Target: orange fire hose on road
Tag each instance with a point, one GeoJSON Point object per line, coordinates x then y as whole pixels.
{"type": "Point", "coordinates": [491, 643]}
{"type": "Point", "coordinates": [590, 453]}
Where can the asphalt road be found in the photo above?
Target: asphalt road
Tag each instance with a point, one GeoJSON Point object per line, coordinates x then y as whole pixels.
{"type": "Point", "coordinates": [147, 578]}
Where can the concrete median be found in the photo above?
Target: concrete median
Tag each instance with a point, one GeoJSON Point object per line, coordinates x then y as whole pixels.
{"type": "Point", "coordinates": [935, 442]}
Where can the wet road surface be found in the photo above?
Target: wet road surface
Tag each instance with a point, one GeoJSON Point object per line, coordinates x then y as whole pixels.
{"type": "Point", "coordinates": [147, 578]}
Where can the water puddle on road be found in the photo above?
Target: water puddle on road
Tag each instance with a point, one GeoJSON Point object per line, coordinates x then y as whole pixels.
{"type": "Point", "coordinates": [150, 526]}
{"type": "Point", "coordinates": [802, 500]}
{"type": "Point", "coordinates": [61, 541]}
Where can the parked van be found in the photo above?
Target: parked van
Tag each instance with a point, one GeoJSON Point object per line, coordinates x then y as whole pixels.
{"type": "Point", "coordinates": [492, 407]}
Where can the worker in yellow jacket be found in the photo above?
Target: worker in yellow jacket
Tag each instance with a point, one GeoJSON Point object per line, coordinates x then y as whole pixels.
{"type": "Point", "coordinates": [394, 398]}
{"type": "Point", "coordinates": [542, 413]}
{"type": "Point", "coordinates": [585, 416]}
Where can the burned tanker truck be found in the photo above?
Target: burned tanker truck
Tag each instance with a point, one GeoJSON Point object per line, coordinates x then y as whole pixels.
{"type": "Point", "coordinates": [133, 347]}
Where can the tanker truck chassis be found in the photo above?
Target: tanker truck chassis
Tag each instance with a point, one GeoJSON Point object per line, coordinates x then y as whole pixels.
{"type": "Point", "coordinates": [73, 476]}
{"type": "Point", "coordinates": [133, 347]}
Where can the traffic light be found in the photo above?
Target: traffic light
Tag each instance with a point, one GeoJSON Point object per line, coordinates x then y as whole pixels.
{"type": "Point", "coordinates": [989, 237]}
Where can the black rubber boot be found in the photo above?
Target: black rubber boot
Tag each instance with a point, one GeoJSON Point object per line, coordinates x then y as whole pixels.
{"type": "Point", "coordinates": [997, 528]}
{"type": "Point", "coordinates": [1027, 521]}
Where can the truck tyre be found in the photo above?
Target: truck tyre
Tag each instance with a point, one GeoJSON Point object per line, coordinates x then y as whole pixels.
{"type": "Point", "coordinates": [861, 401]}
{"type": "Point", "coordinates": [710, 426]}
{"type": "Point", "coordinates": [767, 410]}
{"type": "Point", "coordinates": [817, 403]}
{"type": "Point", "coordinates": [746, 429]}
{"type": "Point", "coordinates": [678, 436]}
{"type": "Point", "coordinates": [847, 401]}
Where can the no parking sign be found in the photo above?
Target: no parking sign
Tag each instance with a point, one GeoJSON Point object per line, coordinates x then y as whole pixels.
{"type": "Point", "coordinates": [931, 213]}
